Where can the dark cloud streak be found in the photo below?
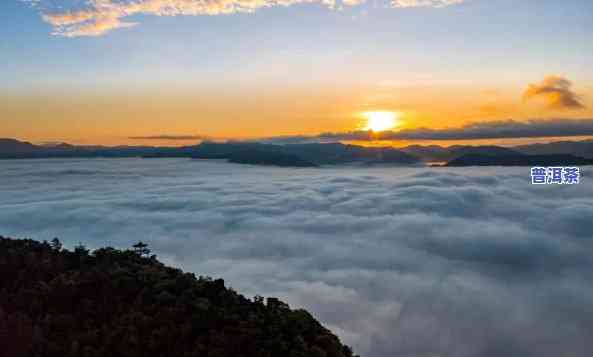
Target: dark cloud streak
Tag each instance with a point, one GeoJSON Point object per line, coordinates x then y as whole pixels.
{"type": "Point", "coordinates": [502, 129]}
{"type": "Point", "coordinates": [556, 91]}
{"type": "Point", "coordinates": [170, 137]}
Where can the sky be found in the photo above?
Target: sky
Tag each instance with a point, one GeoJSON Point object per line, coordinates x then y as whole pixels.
{"type": "Point", "coordinates": [112, 71]}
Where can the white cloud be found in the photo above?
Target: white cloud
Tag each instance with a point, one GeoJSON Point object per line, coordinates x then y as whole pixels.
{"type": "Point", "coordinates": [98, 17]}
{"type": "Point", "coordinates": [399, 261]}
{"type": "Point", "coordinates": [102, 16]}
{"type": "Point", "coordinates": [425, 3]}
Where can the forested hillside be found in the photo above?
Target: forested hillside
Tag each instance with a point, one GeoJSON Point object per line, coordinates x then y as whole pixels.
{"type": "Point", "coordinates": [113, 303]}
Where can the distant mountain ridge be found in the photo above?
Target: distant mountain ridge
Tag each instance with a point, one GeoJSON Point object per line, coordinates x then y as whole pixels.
{"type": "Point", "coordinates": [302, 154]}
{"type": "Point", "coordinates": [14, 149]}
{"type": "Point", "coordinates": [299, 155]}
{"type": "Point", "coordinates": [441, 154]}
{"type": "Point", "coordinates": [12, 146]}
{"type": "Point", "coordinates": [520, 160]}
{"type": "Point", "coordinates": [316, 154]}
{"type": "Point", "coordinates": [551, 154]}
{"type": "Point", "coordinates": [577, 148]}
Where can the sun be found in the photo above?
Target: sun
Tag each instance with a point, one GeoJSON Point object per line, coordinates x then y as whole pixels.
{"type": "Point", "coordinates": [380, 121]}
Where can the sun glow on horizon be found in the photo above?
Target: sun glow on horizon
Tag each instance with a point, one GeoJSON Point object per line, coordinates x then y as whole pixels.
{"type": "Point", "coordinates": [381, 120]}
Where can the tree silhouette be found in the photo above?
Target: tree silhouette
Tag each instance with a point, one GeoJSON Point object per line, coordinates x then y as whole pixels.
{"type": "Point", "coordinates": [141, 249]}
{"type": "Point", "coordinates": [56, 244]}
{"type": "Point", "coordinates": [81, 249]}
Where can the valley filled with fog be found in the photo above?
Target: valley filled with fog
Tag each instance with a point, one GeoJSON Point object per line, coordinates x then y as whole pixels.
{"type": "Point", "coordinates": [396, 261]}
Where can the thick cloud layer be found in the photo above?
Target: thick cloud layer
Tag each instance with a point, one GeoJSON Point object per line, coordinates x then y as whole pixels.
{"type": "Point", "coordinates": [397, 261]}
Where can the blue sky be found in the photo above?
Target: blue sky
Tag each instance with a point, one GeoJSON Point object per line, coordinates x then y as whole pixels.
{"type": "Point", "coordinates": [485, 44]}
{"type": "Point", "coordinates": [480, 36]}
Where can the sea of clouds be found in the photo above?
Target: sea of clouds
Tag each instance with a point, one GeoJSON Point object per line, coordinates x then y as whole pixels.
{"type": "Point", "coordinates": [412, 262]}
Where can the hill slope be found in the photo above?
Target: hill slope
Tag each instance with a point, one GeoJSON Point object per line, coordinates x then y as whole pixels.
{"type": "Point", "coordinates": [577, 148]}
{"type": "Point", "coordinates": [114, 303]}
{"type": "Point", "coordinates": [297, 155]}
{"type": "Point", "coordinates": [302, 154]}
{"type": "Point", "coordinates": [15, 148]}
{"type": "Point", "coordinates": [519, 160]}
{"type": "Point", "coordinates": [438, 153]}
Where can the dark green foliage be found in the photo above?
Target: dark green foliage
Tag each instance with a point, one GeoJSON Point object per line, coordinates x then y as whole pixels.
{"type": "Point", "coordinates": [114, 303]}
{"type": "Point", "coordinates": [141, 249]}
{"type": "Point", "coordinates": [56, 244]}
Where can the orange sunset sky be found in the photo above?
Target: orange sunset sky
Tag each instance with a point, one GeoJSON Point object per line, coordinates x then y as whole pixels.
{"type": "Point", "coordinates": [302, 69]}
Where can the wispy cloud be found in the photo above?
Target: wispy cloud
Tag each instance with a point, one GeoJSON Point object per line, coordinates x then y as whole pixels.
{"type": "Point", "coordinates": [500, 129]}
{"type": "Point", "coordinates": [556, 91]}
{"type": "Point", "coordinates": [102, 16]}
{"type": "Point", "coordinates": [98, 17]}
{"type": "Point", "coordinates": [425, 3]}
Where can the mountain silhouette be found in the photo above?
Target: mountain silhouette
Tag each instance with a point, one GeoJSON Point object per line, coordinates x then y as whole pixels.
{"type": "Point", "coordinates": [520, 160]}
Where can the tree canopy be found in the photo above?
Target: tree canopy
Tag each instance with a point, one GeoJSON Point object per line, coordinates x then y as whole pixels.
{"type": "Point", "coordinates": [109, 302]}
